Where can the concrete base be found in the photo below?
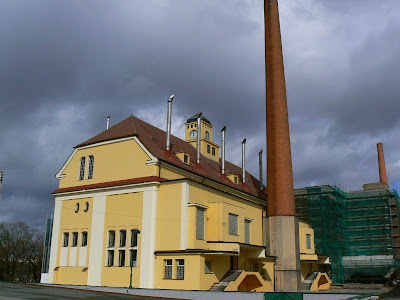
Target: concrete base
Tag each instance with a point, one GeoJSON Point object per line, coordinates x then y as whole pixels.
{"type": "Point", "coordinates": [282, 237]}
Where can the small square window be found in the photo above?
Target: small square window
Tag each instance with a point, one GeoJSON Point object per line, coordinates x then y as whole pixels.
{"type": "Point", "coordinates": [186, 159]}
{"type": "Point", "coordinates": [84, 239]}
{"type": "Point", "coordinates": [65, 239]}
{"type": "Point", "coordinates": [74, 239]}
{"type": "Point", "coordinates": [236, 180]}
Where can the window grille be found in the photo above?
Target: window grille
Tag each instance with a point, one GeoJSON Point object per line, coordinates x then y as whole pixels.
{"type": "Point", "coordinates": [65, 239]}
{"type": "Point", "coordinates": [84, 239]}
{"type": "Point", "coordinates": [233, 224]}
{"type": "Point", "coordinates": [82, 168]}
{"type": "Point", "coordinates": [168, 269]}
{"type": "Point", "coordinates": [91, 163]}
{"type": "Point", "coordinates": [180, 269]}
{"type": "Point", "coordinates": [247, 231]}
{"type": "Point", "coordinates": [111, 238]}
{"type": "Point", "coordinates": [200, 223]}
{"type": "Point", "coordinates": [308, 239]}
{"type": "Point", "coordinates": [74, 239]}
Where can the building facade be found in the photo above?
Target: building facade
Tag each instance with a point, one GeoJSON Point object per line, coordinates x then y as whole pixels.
{"type": "Point", "coordinates": [128, 211]}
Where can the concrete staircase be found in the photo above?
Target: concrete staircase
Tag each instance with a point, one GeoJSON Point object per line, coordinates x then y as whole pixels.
{"type": "Point", "coordinates": [232, 275]}
{"type": "Point", "coordinates": [306, 284]}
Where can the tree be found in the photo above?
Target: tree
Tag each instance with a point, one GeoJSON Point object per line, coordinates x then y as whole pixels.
{"type": "Point", "coordinates": [21, 249]}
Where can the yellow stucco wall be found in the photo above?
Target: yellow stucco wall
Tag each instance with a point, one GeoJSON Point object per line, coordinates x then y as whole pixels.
{"type": "Point", "coordinates": [168, 174]}
{"type": "Point", "coordinates": [71, 275]}
{"type": "Point", "coordinates": [123, 212]}
{"type": "Point", "coordinates": [221, 205]}
{"type": "Point", "coordinates": [304, 229]}
{"type": "Point", "coordinates": [169, 216]}
{"type": "Point", "coordinates": [115, 161]}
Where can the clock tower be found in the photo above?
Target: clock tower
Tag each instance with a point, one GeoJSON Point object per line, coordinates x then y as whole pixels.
{"type": "Point", "coordinates": [208, 147]}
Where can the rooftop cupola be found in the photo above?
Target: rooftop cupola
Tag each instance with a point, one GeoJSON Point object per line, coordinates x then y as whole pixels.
{"type": "Point", "coordinates": [207, 147]}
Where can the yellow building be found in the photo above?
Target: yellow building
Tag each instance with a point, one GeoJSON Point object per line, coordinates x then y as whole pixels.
{"type": "Point", "coordinates": [123, 200]}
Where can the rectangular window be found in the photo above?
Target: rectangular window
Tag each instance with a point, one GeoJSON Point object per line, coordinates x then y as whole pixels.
{"type": "Point", "coordinates": [208, 149]}
{"type": "Point", "coordinates": [236, 180]}
{"type": "Point", "coordinates": [168, 269]}
{"type": "Point", "coordinates": [111, 238]}
{"type": "Point", "coordinates": [180, 269]}
{"type": "Point", "coordinates": [65, 239]}
{"type": "Point", "coordinates": [247, 231]}
{"type": "Point", "coordinates": [82, 168]}
{"type": "Point", "coordinates": [133, 257]}
{"type": "Point", "coordinates": [91, 163]}
{"type": "Point", "coordinates": [110, 258]}
{"type": "Point", "coordinates": [207, 267]}
{"type": "Point", "coordinates": [74, 239]}
{"type": "Point", "coordinates": [308, 237]}
{"type": "Point", "coordinates": [121, 258]}
{"type": "Point", "coordinates": [84, 239]}
{"type": "Point", "coordinates": [200, 223]}
{"type": "Point", "coordinates": [122, 238]}
{"type": "Point", "coordinates": [213, 151]}
{"type": "Point", "coordinates": [186, 159]}
{"type": "Point", "coordinates": [134, 238]}
{"type": "Point", "coordinates": [233, 224]}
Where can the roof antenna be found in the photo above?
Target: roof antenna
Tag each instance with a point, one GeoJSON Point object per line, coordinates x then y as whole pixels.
{"type": "Point", "coordinates": [244, 161]}
{"type": "Point", "coordinates": [108, 122]}
{"type": "Point", "coordinates": [169, 117]}
{"type": "Point", "coordinates": [198, 138]}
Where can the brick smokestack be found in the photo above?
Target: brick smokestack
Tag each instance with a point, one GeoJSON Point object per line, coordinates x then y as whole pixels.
{"type": "Point", "coordinates": [283, 225]}
{"type": "Point", "coordinates": [381, 162]}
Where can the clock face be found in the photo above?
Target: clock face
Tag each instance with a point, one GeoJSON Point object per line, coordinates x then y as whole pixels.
{"type": "Point", "coordinates": [193, 134]}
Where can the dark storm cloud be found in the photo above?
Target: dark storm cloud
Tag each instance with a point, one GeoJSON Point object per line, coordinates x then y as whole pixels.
{"type": "Point", "coordinates": [66, 65]}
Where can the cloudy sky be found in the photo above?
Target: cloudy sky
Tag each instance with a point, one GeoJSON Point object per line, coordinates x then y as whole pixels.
{"type": "Point", "coordinates": [66, 65]}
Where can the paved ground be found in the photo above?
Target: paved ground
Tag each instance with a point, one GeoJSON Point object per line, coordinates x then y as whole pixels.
{"type": "Point", "coordinates": [24, 291]}
{"type": "Point", "coordinates": [392, 294]}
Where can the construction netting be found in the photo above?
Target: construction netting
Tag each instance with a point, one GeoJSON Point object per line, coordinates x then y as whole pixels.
{"type": "Point", "coordinates": [359, 231]}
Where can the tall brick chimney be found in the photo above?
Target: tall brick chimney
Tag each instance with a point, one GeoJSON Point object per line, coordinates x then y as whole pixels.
{"type": "Point", "coordinates": [282, 231]}
{"type": "Point", "coordinates": [381, 162]}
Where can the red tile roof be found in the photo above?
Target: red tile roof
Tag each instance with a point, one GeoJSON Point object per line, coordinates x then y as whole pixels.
{"type": "Point", "coordinates": [109, 184]}
{"type": "Point", "coordinates": [154, 139]}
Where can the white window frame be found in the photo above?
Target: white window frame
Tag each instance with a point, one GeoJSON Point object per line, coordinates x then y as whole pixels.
{"type": "Point", "coordinates": [180, 269]}
{"type": "Point", "coordinates": [110, 248]}
{"type": "Point", "coordinates": [132, 247]}
{"type": "Point", "coordinates": [167, 269]}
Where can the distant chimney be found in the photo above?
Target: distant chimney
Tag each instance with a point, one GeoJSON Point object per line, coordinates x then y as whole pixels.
{"type": "Point", "coordinates": [260, 168]}
{"type": "Point", "coordinates": [381, 162]}
{"type": "Point", "coordinates": [108, 122]}
{"type": "Point", "coordinates": [198, 137]}
{"type": "Point", "coordinates": [244, 161]}
{"type": "Point", "coordinates": [169, 116]}
{"type": "Point", "coordinates": [1, 181]}
{"type": "Point", "coordinates": [223, 150]}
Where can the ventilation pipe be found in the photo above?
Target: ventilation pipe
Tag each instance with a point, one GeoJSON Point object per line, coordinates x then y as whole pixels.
{"type": "Point", "coordinates": [244, 161]}
{"type": "Point", "coordinates": [169, 116]}
{"type": "Point", "coordinates": [260, 168]}
{"type": "Point", "coordinates": [198, 138]}
{"type": "Point", "coordinates": [223, 151]}
{"type": "Point", "coordinates": [108, 122]}
{"type": "Point", "coordinates": [381, 163]}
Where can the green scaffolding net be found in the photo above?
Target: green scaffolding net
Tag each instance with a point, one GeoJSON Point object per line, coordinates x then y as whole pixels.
{"type": "Point", "coordinates": [359, 230]}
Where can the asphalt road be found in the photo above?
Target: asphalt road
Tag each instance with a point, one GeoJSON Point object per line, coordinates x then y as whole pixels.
{"type": "Point", "coordinates": [392, 294]}
{"type": "Point", "coordinates": [25, 291]}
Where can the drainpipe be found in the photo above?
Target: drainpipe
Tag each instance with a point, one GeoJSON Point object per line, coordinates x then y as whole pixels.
{"type": "Point", "coordinates": [244, 161]}
{"type": "Point", "coordinates": [198, 138]}
{"type": "Point", "coordinates": [223, 151]}
{"type": "Point", "coordinates": [169, 116]}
